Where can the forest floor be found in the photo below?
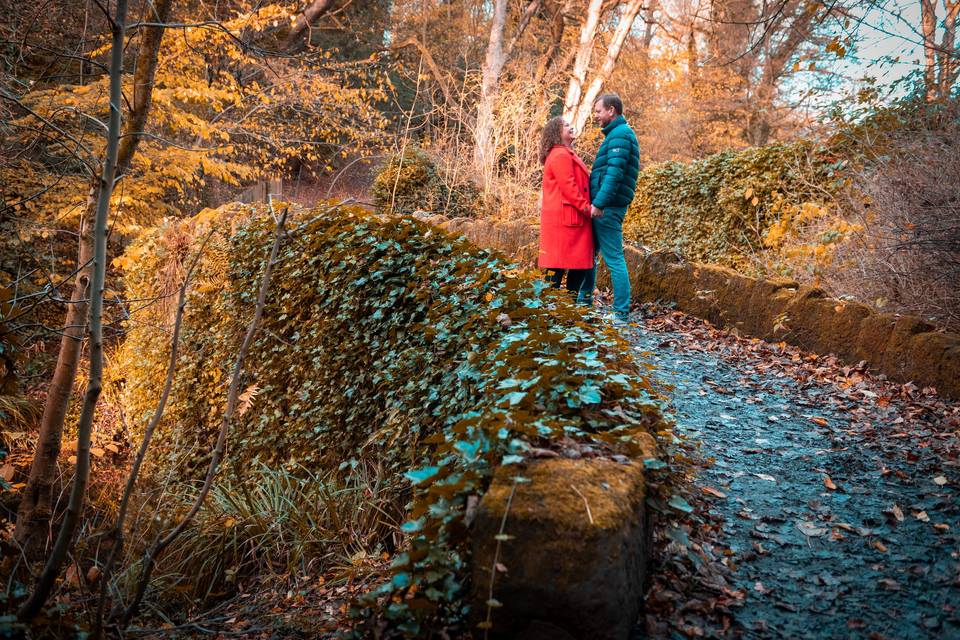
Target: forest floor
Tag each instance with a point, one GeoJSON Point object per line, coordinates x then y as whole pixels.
{"type": "Point", "coordinates": [827, 505]}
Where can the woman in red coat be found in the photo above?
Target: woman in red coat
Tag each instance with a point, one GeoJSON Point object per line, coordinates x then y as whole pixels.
{"type": "Point", "coordinates": [566, 235]}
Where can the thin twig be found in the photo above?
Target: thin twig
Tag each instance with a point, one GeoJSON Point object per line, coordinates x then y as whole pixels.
{"type": "Point", "coordinates": [488, 623]}
{"type": "Point", "coordinates": [117, 532]}
{"type": "Point", "coordinates": [585, 503]}
{"type": "Point", "coordinates": [160, 545]}
{"type": "Point", "coordinates": [51, 570]}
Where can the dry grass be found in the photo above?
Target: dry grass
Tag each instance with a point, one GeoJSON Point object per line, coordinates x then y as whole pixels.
{"type": "Point", "coordinates": [265, 524]}
{"type": "Point", "coordinates": [906, 259]}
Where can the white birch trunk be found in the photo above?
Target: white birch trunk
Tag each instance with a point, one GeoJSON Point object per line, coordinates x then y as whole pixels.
{"type": "Point", "coordinates": [609, 63]}
{"type": "Point", "coordinates": [582, 62]}
{"type": "Point", "coordinates": [493, 64]}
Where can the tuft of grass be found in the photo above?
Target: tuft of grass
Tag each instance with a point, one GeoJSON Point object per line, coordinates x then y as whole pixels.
{"type": "Point", "coordinates": [17, 412]}
{"type": "Point", "coordinates": [272, 523]}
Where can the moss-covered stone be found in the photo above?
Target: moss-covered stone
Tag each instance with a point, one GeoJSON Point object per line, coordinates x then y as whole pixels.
{"type": "Point", "coordinates": [576, 555]}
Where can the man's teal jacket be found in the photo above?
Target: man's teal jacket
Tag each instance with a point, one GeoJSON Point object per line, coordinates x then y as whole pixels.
{"type": "Point", "coordinates": [613, 178]}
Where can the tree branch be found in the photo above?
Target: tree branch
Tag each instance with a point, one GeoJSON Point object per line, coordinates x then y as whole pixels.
{"type": "Point", "coordinates": [160, 545]}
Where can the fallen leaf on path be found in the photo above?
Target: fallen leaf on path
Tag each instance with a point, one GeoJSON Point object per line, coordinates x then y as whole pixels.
{"type": "Point", "coordinates": [922, 516]}
{"type": "Point", "coordinates": [680, 504]}
{"type": "Point", "coordinates": [940, 481]}
{"type": "Point", "coordinates": [820, 421]}
{"type": "Point", "coordinates": [764, 476]}
{"type": "Point", "coordinates": [828, 483]}
{"type": "Point", "coordinates": [941, 527]}
{"type": "Point", "coordinates": [879, 546]}
{"type": "Point", "coordinates": [810, 529]}
{"type": "Point", "coordinates": [889, 584]}
{"type": "Point", "coordinates": [713, 492]}
{"type": "Point", "coordinates": [895, 511]}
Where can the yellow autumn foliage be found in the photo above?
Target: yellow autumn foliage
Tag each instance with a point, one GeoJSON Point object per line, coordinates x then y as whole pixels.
{"type": "Point", "coordinates": [220, 114]}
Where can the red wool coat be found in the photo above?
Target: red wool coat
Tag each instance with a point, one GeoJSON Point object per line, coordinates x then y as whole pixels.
{"type": "Point", "coordinates": [566, 235]}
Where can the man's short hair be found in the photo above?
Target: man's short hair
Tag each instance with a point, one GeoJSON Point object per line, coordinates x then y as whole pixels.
{"type": "Point", "coordinates": [611, 100]}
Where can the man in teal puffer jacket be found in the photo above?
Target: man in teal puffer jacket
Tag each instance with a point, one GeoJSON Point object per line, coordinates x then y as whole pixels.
{"type": "Point", "coordinates": [613, 181]}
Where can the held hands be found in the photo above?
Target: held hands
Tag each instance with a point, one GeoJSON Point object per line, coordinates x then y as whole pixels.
{"type": "Point", "coordinates": [595, 212]}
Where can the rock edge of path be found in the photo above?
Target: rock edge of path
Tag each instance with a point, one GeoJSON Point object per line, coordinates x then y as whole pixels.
{"type": "Point", "coordinates": [572, 562]}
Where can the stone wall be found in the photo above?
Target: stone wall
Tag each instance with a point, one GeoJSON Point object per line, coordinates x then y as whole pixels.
{"type": "Point", "coordinates": [904, 348]}
{"type": "Point", "coordinates": [575, 561]}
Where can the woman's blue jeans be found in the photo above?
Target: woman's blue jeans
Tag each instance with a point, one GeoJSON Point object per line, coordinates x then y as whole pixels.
{"type": "Point", "coordinates": [608, 242]}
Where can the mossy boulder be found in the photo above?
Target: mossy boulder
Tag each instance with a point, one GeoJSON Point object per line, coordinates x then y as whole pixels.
{"type": "Point", "coordinates": [411, 182]}
{"type": "Point", "coordinates": [575, 551]}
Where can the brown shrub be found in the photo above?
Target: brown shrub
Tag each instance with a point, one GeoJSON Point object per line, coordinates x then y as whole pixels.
{"type": "Point", "coordinates": [906, 258]}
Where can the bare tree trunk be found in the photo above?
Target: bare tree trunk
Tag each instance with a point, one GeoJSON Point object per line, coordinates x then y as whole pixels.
{"type": "Point", "coordinates": [947, 53]}
{"type": "Point", "coordinates": [143, 76]}
{"type": "Point", "coordinates": [582, 61]}
{"type": "Point", "coordinates": [36, 504]}
{"type": "Point", "coordinates": [58, 554]}
{"type": "Point", "coordinates": [928, 23]}
{"type": "Point", "coordinates": [314, 11]}
{"type": "Point", "coordinates": [431, 64]}
{"type": "Point", "coordinates": [651, 22]}
{"type": "Point", "coordinates": [557, 29]}
{"type": "Point", "coordinates": [609, 63]}
{"type": "Point", "coordinates": [493, 64]}
{"type": "Point", "coordinates": [532, 7]}
{"type": "Point", "coordinates": [161, 544]}
{"type": "Point", "coordinates": [760, 127]}
{"type": "Point", "coordinates": [34, 512]}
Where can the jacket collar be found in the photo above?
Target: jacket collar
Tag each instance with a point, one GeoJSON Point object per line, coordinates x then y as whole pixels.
{"type": "Point", "coordinates": [613, 124]}
{"type": "Point", "coordinates": [573, 154]}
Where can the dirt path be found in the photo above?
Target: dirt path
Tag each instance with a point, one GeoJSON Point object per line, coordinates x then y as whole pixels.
{"type": "Point", "coordinates": [830, 509]}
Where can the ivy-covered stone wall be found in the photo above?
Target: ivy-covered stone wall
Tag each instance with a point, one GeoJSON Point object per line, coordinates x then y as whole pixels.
{"type": "Point", "coordinates": [382, 338]}
{"type": "Point", "coordinates": [719, 209]}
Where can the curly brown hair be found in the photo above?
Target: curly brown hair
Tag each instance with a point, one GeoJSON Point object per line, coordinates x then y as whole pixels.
{"type": "Point", "coordinates": [550, 137]}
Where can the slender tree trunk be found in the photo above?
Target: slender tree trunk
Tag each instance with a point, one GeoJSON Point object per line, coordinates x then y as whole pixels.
{"type": "Point", "coordinates": [582, 61]}
{"type": "Point", "coordinates": [928, 23]}
{"type": "Point", "coordinates": [161, 544]}
{"type": "Point", "coordinates": [58, 554]}
{"type": "Point", "coordinates": [431, 64]}
{"type": "Point", "coordinates": [557, 29]}
{"type": "Point", "coordinates": [609, 63]}
{"type": "Point", "coordinates": [761, 119]}
{"type": "Point", "coordinates": [148, 57]}
{"type": "Point", "coordinates": [36, 504]}
{"type": "Point", "coordinates": [947, 53]}
{"type": "Point", "coordinates": [651, 23]}
{"type": "Point", "coordinates": [532, 7]}
{"type": "Point", "coordinates": [35, 509]}
{"type": "Point", "coordinates": [484, 153]}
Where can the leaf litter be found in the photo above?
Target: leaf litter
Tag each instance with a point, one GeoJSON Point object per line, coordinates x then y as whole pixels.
{"type": "Point", "coordinates": [824, 505]}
